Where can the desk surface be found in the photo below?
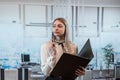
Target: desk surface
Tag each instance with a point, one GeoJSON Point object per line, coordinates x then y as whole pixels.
{"type": "Point", "coordinates": [103, 74]}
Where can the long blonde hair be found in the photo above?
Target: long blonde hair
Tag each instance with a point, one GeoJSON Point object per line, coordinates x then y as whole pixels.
{"type": "Point", "coordinates": [66, 33]}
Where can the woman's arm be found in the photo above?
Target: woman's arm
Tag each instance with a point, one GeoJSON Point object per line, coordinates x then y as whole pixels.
{"type": "Point", "coordinates": [47, 59]}
{"type": "Point", "coordinates": [43, 54]}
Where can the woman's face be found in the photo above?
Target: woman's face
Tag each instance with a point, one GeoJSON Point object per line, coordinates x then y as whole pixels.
{"type": "Point", "coordinates": [58, 28]}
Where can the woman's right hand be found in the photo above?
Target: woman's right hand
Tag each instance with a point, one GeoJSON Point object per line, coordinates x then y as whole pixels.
{"type": "Point", "coordinates": [52, 59]}
{"type": "Point", "coordinates": [52, 48]}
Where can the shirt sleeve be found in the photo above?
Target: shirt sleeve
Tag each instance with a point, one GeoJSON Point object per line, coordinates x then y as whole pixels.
{"type": "Point", "coordinates": [75, 48]}
{"type": "Point", "coordinates": [46, 60]}
{"type": "Point", "coordinates": [44, 66]}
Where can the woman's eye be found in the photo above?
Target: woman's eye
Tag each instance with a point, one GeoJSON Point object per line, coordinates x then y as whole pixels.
{"type": "Point", "coordinates": [60, 26]}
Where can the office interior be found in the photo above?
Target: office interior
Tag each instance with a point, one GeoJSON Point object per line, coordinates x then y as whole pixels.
{"type": "Point", "coordinates": [26, 24]}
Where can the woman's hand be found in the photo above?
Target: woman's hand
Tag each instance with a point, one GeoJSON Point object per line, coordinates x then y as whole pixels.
{"type": "Point", "coordinates": [52, 52]}
{"type": "Point", "coordinates": [80, 71]}
{"type": "Point", "coordinates": [52, 49]}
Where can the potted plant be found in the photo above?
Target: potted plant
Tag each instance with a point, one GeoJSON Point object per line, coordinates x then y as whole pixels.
{"type": "Point", "coordinates": [108, 54]}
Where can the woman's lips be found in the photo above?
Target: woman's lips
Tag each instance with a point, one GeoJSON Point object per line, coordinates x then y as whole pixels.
{"type": "Point", "coordinates": [56, 32]}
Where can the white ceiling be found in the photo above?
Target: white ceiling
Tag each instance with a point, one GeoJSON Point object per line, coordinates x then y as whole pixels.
{"type": "Point", "coordinates": [87, 2]}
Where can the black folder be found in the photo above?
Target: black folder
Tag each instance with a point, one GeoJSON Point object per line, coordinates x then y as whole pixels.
{"type": "Point", "coordinates": [67, 64]}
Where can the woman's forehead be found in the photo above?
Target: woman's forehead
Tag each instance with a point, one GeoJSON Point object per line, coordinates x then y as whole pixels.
{"type": "Point", "coordinates": [58, 22]}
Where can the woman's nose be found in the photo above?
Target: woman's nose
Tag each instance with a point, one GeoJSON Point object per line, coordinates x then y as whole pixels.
{"type": "Point", "coordinates": [56, 28]}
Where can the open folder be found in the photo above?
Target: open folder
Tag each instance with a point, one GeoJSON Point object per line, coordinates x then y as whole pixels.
{"type": "Point", "coordinates": [67, 64]}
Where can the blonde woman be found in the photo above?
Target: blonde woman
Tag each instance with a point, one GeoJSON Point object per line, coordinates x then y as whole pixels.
{"type": "Point", "coordinates": [52, 50]}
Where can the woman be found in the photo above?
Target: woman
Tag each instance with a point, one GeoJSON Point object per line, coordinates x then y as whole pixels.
{"type": "Point", "coordinates": [52, 51]}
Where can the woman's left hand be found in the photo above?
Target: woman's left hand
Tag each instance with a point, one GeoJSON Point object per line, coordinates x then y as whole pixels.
{"type": "Point", "coordinates": [80, 71]}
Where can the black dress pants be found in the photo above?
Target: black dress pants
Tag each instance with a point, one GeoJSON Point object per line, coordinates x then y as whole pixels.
{"type": "Point", "coordinates": [57, 78]}
{"type": "Point", "coordinates": [53, 78]}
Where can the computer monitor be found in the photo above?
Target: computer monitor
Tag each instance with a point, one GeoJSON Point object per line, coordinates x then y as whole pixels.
{"type": "Point", "coordinates": [25, 58]}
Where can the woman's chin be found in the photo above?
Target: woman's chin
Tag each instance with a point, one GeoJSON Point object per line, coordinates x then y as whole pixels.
{"type": "Point", "coordinates": [57, 35]}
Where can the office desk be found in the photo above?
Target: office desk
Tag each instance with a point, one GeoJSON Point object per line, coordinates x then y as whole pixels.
{"type": "Point", "coordinates": [14, 74]}
{"type": "Point", "coordinates": [1, 74]}
{"type": "Point", "coordinates": [11, 74]}
{"type": "Point", "coordinates": [106, 74]}
{"type": "Point", "coordinates": [117, 72]}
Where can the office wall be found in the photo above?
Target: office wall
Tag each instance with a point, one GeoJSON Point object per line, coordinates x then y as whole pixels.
{"type": "Point", "coordinates": [18, 36]}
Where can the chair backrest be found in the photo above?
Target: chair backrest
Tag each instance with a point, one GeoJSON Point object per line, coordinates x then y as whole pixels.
{"type": "Point", "coordinates": [36, 73]}
{"type": "Point", "coordinates": [36, 69]}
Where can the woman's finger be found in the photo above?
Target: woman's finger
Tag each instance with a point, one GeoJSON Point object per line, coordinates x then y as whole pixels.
{"type": "Point", "coordinates": [79, 72]}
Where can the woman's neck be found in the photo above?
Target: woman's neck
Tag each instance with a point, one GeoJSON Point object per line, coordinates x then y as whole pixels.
{"type": "Point", "coordinates": [60, 39]}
